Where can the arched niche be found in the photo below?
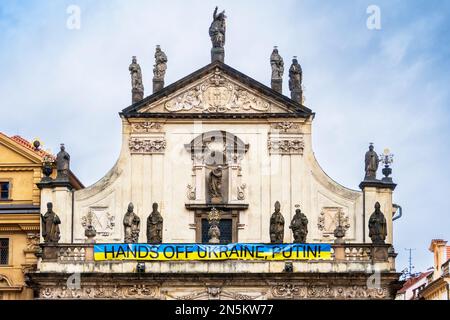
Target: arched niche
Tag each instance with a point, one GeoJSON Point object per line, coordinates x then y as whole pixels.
{"type": "Point", "coordinates": [216, 166]}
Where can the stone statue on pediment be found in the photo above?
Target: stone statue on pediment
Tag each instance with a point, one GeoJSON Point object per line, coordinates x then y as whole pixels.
{"type": "Point", "coordinates": [62, 164]}
{"type": "Point", "coordinates": [217, 29]}
{"type": "Point", "coordinates": [277, 225]}
{"type": "Point", "coordinates": [371, 162]}
{"type": "Point", "coordinates": [160, 66]}
{"type": "Point", "coordinates": [50, 225]}
{"type": "Point", "coordinates": [277, 63]}
{"type": "Point", "coordinates": [377, 226]}
{"type": "Point", "coordinates": [131, 225]}
{"type": "Point", "coordinates": [299, 226]}
{"type": "Point", "coordinates": [137, 87]}
{"type": "Point", "coordinates": [155, 226]}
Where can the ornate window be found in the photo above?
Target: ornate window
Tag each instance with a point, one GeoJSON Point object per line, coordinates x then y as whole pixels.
{"type": "Point", "coordinates": [226, 230]}
{"type": "Point", "coordinates": [4, 251]}
{"type": "Point", "coordinates": [5, 188]}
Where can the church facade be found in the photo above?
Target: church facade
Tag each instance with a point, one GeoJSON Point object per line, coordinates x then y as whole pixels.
{"type": "Point", "coordinates": [218, 141]}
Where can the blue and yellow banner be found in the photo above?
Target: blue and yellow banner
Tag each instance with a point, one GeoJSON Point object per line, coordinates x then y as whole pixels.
{"type": "Point", "coordinates": [194, 251]}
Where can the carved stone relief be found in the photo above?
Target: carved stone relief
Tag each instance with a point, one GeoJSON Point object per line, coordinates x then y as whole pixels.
{"type": "Point", "coordinates": [280, 145]}
{"type": "Point", "coordinates": [33, 240]}
{"type": "Point", "coordinates": [144, 127]}
{"type": "Point", "coordinates": [147, 146]}
{"type": "Point", "coordinates": [278, 291]}
{"type": "Point", "coordinates": [216, 94]}
{"type": "Point", "coordinates": [101, 219]}
{"type": "Point", "coordinates": [241, 191]}
{"type": "Point", "coordinates": [121, 291]}
{"type": "Point", "coordinates": [285, 126]}
{"type": "Point", "coordinates": [329, 219]}
{"type": "Point", "coordinates": [294, 291]}
{"type": "Point", "coordinates": [191, 194]}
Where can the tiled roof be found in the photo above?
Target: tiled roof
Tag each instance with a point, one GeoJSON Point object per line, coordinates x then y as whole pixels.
{"type": "Point", "coordinates": [411, 281]}
{"type": "Point", "coordinates": [27, 144]}
{"type": "Point", "coordinates": [448, 252]}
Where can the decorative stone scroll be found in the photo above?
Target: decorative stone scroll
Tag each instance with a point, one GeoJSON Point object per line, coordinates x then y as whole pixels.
{"type": "Point", "coordinates": [147, 146]}
{"type": "Point", "coordinates": [286, 145]}
{"type": "Point", "coordinates": [144, 127]}
{"type": "Point", "coordinates": [217, 94]}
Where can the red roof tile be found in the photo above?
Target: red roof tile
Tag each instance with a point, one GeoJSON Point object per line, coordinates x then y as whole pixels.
{"type": "Point", "coordinates": [27, 144]}
{"type": "Point", "coordinates": [411, 281]}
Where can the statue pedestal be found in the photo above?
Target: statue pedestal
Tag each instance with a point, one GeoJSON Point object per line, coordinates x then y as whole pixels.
{"type": "Point", "coordinates": [277, 85]}
{"type": "Point", "coordinates": [297, 95]}
{"type": "Point", "coordinates": [59, 192]}
{"type": "Point", "coordinates": [157, 85]}
{"type": "Point", "coordinates": [136, 95]}
{"type": "Point", "coordinates": [218, 54]}
{"type": "Point", "coordinates": [377, 191]}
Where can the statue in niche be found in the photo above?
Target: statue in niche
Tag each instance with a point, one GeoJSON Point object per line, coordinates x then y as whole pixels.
{"type": "Point", "coordinates": [217, 29]}
{"type": "Point", "coordinates": [215, 185]}
{"type": "Point", "coordinates": [131, 225]}
{"type": "Point", "coordinates": [154, 226]}
{"type": "Point", "coordinates": [299, 226]}
{"type": "Point", "coordinates": [277, 225]}
{"type": "Point", "coordinates": [377, 226]}
{"type": "Point", "coordinates": [371, 164]}
{"type": "Point", "coordinates": [62, 164]}
{"type": "Point", "coordinates": [50, 225]}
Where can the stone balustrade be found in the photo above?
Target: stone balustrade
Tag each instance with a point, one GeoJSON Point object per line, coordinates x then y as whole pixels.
{"type": "Point", "coordinates": [347, 252]}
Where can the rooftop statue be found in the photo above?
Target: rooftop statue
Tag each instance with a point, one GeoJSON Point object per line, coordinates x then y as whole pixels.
{"type": "Point", "coordinates": [277, 63]}
{"type": "Point", "coordinates": [295, 81]}
{"type": "Point", "coordinates": [217, 29]}
{"type": "Point", "coordinates": [371, 164]}
{"type": "Point", "coordinates": [62, 164]}
{"type": "Point", "coordinates": [160, 66]}
{"type": "Point", "coordinates": [137, 86]}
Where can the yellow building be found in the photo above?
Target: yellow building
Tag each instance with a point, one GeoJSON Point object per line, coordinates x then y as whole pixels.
{"type": "Point", "coordinates": [438, 287]}
{"type": "Point", "coordinates": [20, 170]}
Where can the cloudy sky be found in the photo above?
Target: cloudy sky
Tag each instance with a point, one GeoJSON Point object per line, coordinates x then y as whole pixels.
{"type": "Point", "coordinates": [388, 86]}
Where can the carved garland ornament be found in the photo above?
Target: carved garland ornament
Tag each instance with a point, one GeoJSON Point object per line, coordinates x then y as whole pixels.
{"type": "Point", "coordinates": [292, 291]}
{"type": "Point", "coordinates": [286, 146]}
{"type": "Point", "coordinates": [217, 94]}
{"type": "Point", "coordinates": [286, 126]}
{"type": "Point", "coordinates": [100, 292]}
{"type": "Point", "coordinates": [138, 145]}
{"type": "Point", "coordinates": [144, 127]}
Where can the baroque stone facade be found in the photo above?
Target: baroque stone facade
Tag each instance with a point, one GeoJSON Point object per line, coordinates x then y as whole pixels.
{"type": "Point", "coordinates": [217, 141]}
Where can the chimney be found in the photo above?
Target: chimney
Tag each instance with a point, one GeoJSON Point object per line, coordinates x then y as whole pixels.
{"type": "Point", "coordinates": [438, 247]}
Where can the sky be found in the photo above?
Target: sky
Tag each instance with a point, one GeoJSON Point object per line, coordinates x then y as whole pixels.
{"type": "Point", "coordinates": [388, 85]}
